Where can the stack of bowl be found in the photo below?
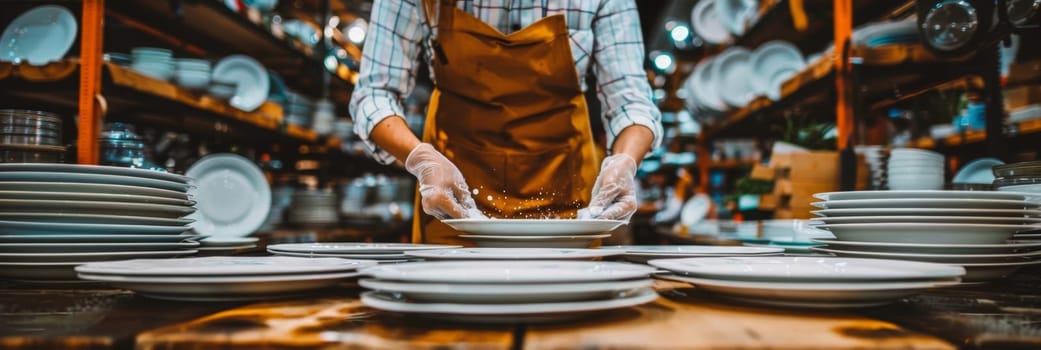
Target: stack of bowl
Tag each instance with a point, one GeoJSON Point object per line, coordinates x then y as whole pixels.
{"type": "Point", "coordinates": [154, 62]}
{"type": "Point", "coordinates": [915, 169]}
{"type": "Point", "coordinates": [30, 137]}
{"type": "Point", "coordinates": [193, 73]}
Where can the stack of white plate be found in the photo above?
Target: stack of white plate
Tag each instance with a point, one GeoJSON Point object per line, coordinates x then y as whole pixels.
{"type": "Point", "coordinates": [56, 216]}
{"type": "Point", "coordinates": [533, 233]}
{"type": "Point", "coordinates": [507, 291]}
{"type": "Point", "coordinates": [972, 229]}
{"type": "Point", "coordinates": [222, 278]}
{"type": "Point", "coordinates": [313, 208]}
{"type": "Point", "coordinates": [513, 254]}
{"type": "Point", "coordinates": [810, 282]}
{"type": "Point", "coordinates": [773, 63]}
{"type": "Point", "coordinates": [192, 73]}
{"type": "Point", "coordinates": [154, 62]}
{"type": "Point", "coordinates": [381, 252]}
{"type": "Point", "coordinates": [876, 162]}
{"type": "Point", "coordinates": [915, 169]}
{"type": "Point", "coordinates": [644, 253]}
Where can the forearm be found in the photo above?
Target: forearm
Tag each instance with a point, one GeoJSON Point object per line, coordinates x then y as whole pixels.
{"type": "Point", "coordinates": [634, 141]}
{"type": "Point", "coordinates": [393, 135]}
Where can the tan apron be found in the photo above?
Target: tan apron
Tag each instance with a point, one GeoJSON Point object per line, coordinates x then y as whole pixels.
{"type": "Point", "coordinates": [514, 121]}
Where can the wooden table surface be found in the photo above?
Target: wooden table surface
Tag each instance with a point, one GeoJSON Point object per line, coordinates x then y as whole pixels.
{"type": "Point", "coordinates": [1001, 315]}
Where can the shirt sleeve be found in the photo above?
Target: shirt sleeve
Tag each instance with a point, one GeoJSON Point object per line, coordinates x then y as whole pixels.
{"type": "Point", "coordinates": [388, 68]}
{"type": "Point", "coordinates": [622, 85]}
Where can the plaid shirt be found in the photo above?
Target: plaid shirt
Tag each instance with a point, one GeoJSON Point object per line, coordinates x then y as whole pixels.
{"type": "Point", "coordinates": [604, 34]}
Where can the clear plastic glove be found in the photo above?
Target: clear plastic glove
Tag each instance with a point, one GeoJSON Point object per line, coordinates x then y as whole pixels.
{"type": "Point", "coordinates": [441, 185]}
{"type": "Point", "coordinates": [614, 194]}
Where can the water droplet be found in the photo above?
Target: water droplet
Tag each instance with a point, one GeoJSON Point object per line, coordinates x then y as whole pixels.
{"type": "Point", "coordinates": [476, 191]}
{"type": "Point", "coordinates": [489, 197]}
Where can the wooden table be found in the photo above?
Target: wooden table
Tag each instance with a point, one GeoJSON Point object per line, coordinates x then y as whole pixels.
{"type": "Point", "coordinates": [1002, 315]}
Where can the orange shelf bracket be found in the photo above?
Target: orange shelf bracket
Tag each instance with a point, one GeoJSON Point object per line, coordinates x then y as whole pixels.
{"type": "Point", "coordinates": [91, 103]}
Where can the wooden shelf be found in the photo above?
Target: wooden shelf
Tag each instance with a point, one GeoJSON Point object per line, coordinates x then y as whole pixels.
{"type": "Point", "coordinates": [128, 93]}
{"type": "Point", "coordinates": [775, 21]}
{"type": "Point", "coordinates": [888, 74]}
{"type": "Point", "coordinates": [977, 137]}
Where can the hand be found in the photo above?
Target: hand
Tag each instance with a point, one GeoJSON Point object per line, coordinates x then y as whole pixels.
{"type": "Point", "coordinates": [441, 185]}
{"type": "Point", "coordinates": [614, 194]}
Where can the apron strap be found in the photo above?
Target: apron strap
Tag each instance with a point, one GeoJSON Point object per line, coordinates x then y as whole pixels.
{"type": "Point", "coordinates": [433, 9]}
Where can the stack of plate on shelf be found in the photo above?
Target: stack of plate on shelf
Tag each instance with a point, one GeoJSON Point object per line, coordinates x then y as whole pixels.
{"type": "Point", "coordinates": [507, 291]}
{"type": "Point", "coordinates": [513, 254]}
{"type": "Point", "coordinates": [41, 35]}
{"type": "Point", "coordinates": [773, 63]}
{"type": "Point", "coordinates": [56, 216]}
{"type": "Point", "coordinates": [234, 199]}
{"type": "Point", "coordinates": [915, 169]}
{"type": "Point", "coordinates": [222, 278]}
{"type": "Point", "coordinates": [965, 228]}
{"type": "Point", "coordinates": [705, 20]}
{"type": "Point", "coordinates": [30, 137]}
{"type": "Point", "coordinates": [193, 73]}
{"type": "Point", "coordinates": [876, 162]}
{"type": "Point", "coordinates": [380, 252]}
{"type": "Point", "coordinates": [314, 208]}
{"type": "Point", "coordinates": [533, 233]}
{"type": "Point", "coordinates": [644, 253]}
{"type": "Point", "coordinates": [154, 62]}
{"type": "Point", "coordinates": [810, 282]}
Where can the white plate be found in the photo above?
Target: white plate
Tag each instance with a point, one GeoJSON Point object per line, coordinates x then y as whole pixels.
{"type": "Point", "coordinates": [221, 288]}
{"type": "Point", "coordinates": [94, 169]}
{"type": "Point", "coordinates": [928, 211]}
{"type": "Point", "coordinates": [233, 194]}
{"type": "Point", "coordinates": [735, 14]}
{"type": "Point", "coordinates": [227, 241]}
{"type": "Point", "coordinates": [513, 254]}
{"type": "Point", "coordinates": [926, 203]}
{"type": "Point", "coordinates": [71, 238]}
{"type": "Point", "coordinates": [703, 82]}
{"type": "Point", "coordinates": [706, 22]}
{"type": "Point", "coordinates": [72, 218]}
{"type": "Point", "coordinates": [533, 227]}
{"type": "Point", "coordinates": [813, 294]}
{"type": "Point", "coordinates": [929, 219]}
{"type": "Point", "coordinates": [94, 256]}
{"type": "Point", "coordinates": [570, 242]}
{"type": "Point", "coordinates": [223, 266]}
{"type": "Point", "coordinates": [101, 197]}
{"type": "Point", "coordinates": [733, 73]}
{"type": "Point", "coordinates": [952, 258]}
{"type": "Point", "coordinates": [773, 63]}
{"type": "Point", "coordinates": [476, 293]}
{"type": "Point", "coordinates": [48, 228]}
{"type": "Point", "coordinates": [1009, 247]}
{"type": "Point", "coordinates": [353, 248]}
{"type": "Point", "coordinates": [934, 233]}
{"type": "Point", "coordinates": [226, 247]}
{"type": "Point", "coordinates": [92, 247]}
{"type": "Point", "coordinates": [250, 77]}
{"type": "Point", "coordinates": [691, 250]}
{"type": "Point", "coordinates": [909, 194]}
{"type": "Point", "coordinates": [517, 271]}
{"type": "Point", "coordinates": [380, 257]}
{"type": "Point", "coordinates": [39, 176]}
{"type": "Point", "coordinates": [86, 207]}
{"type": "Point", "coordinates": [695, 210]}
{"type": "Point", "coordinates": [72, 187]}
{"type": "Point", "coordinates": [792, 269]}
{"type": "Point", "coordinates": [504, 313]}
{"type": "Point", "coordinates": [40, 35]}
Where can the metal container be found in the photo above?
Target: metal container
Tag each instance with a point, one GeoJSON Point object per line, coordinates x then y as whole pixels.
{"type": "Point", "coordinates": [30, 119]}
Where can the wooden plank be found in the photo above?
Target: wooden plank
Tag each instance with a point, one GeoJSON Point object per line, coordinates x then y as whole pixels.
{"type": "Point", "coordinates": [685, 319]}
{"type": "Point", "coordinates": [329, 323]}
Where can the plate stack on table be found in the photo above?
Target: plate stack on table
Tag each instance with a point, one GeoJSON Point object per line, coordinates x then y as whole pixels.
{"type": "Point", "coordinates": [381, 252]}
{"type": "Point", "coordinates": [314, 208]}
{"type": "Point", "coordinates": [513, 254]}
{"type": "Point", "coordinates": [534, 233]}
{"type": "Point", "coordinates": [971, 229]}
{"type": "Point", "coordinates": [644, 253]}
{"type": "Point", "coordinates": [234, 200]}
{"type": "Point", "coordinates": [30, 137]}
{"type": "Point", "coordinates": [221, 278]}
{"type": "Point", "coordinates": [810, 282]}
{"type": "Point", "coordinates": [56, 216]}
{"type": "Point", "coordinates": [507, 291]}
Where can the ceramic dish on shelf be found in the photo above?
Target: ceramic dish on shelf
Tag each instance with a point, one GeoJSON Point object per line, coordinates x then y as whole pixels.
{"type": "Point", "coordinates": [773, 63]}
{"type": "Point", "coordinates": [252, 82]}
{"type": "Point", "coordinates": [736, 15]}
{"type": "Point", "coordinates": [733, 76]}
{"type": "Point", "coordinates": [979, 171]}
{"type": "Point", "coordinates": [533, 227]}
{"type": "Point", "coordinates": [808, 269]}
{"type": "Point", "coordinates": [512, 254]}
{"type": "Point", "coordinates": [702, 86]}
{"type": "Point", "coordinates": [504, 312]}
{"type": "Point", "coordinates": [233, 196]}
{"type": "Point", "coordinates": [707, 23]}
{"type": "Point", "coordinates": [574, 242]}
{"type": "Point", "coordinates": [38, 36]}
